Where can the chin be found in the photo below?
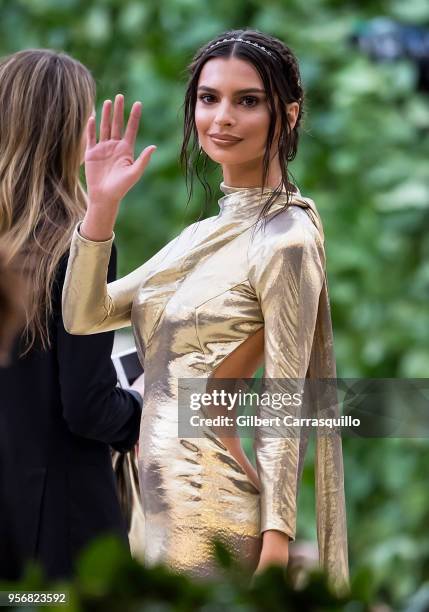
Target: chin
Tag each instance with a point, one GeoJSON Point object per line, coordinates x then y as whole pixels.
{"type": "Point", "coordinates": [223, 157]}
{"type": "Point", "coordinates": [242, 155]}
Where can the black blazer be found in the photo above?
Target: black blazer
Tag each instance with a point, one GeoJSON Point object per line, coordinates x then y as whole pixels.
{"type": "Point", "coordinates": [60, 410]}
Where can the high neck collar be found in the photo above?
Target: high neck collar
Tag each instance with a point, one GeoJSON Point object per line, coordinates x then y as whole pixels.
{"type": "Point", "coordinates": [248, 201]}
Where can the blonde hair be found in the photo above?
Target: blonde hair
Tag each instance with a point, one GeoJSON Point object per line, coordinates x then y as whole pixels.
{"type": "Point", "coordinates": [11, 312]}
{"type": "Point", "coordinates": [46, 99]}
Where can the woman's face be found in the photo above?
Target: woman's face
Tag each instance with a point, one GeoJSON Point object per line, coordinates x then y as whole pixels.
{"type": "Point", "coordinates": [231, 103]}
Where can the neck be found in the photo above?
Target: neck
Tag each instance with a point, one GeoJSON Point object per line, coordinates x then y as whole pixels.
{"type": "Point", "coordinates": [249, 174]}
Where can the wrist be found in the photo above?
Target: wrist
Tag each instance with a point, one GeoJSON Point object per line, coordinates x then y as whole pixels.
{"type": "Point", "coordinates": [275, 548]}
{"type": "Point", "coordinates": [97, 227]}
{"type": "Point", "coordinates": [273, 537]}
{"type": "Point", "coordinates": [103, 206]}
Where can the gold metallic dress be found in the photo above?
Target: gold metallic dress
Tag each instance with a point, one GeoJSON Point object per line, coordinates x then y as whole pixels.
{"type": "Point", "coordinates": [190, 306]}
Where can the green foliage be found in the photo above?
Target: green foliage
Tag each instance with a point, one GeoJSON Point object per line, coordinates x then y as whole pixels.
{"type": "Point", "coordinates": [363, 164]}
{"type": "Point", "coordinates": [362, 158]}
{"type": "Point", "coordinates": [108, 580]}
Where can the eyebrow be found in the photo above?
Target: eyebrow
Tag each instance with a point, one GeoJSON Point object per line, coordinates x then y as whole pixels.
{"type": "Point", "coordinates": [240, 91]}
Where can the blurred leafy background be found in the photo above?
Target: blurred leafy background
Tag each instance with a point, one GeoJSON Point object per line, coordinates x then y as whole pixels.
{"type": "Point", "coordinates": [363, 158]}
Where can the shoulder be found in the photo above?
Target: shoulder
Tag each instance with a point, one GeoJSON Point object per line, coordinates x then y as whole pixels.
{"type": "Point", "coordinates": [199, 225]}
{"type": "Point", "coordinates": [294, 228]}
{"type": "Point", "coordinates": [290, 241]}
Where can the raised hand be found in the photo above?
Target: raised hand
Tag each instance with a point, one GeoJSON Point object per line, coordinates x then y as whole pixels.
{"type": "Point", "coordinates": [110, 167]}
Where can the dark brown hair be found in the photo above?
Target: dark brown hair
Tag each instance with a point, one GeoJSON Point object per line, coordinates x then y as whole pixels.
{"type": "Point", "coordinates": [281, 78]}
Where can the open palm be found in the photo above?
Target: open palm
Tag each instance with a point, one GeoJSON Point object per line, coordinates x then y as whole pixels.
{"type": "Point", "coordinates": [110, 167]}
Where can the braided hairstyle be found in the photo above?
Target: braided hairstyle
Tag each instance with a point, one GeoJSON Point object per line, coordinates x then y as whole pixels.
{"type": "Point", "coordinates": [279, 72]}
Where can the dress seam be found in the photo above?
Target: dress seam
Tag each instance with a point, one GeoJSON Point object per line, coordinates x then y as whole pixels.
{"type": "Point", "coordinates": [196, 323]}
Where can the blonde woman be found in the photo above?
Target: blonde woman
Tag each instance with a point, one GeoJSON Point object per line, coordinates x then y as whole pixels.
{"type": "Point", "coordinates": [225, 295]}
{"type": "Point", "coordinates": [60, 408]}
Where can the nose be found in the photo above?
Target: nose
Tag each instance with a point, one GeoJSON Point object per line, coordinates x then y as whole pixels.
{"type": "Point", "coordinates": [224, 114]}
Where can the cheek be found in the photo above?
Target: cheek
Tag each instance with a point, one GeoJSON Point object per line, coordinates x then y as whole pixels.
{"type": "Point", "coordinates": [202, 118]}
{"type": "Point", "coordinates": [258, 124]}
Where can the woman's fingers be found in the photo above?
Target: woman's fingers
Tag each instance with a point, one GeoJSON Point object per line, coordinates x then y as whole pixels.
{"type": "Point", "coordinates": [91, 137]}
{"type": "Point", "coordinates": [142, 161]}
{"type": "Point", "coordinates": [105, 125]}
{"type": "Point", "coordinates": [133, 124]}
{"type": "Point", "coordinates": [111, 128]}
{"type": "Point", "coordinates": [118, 117]}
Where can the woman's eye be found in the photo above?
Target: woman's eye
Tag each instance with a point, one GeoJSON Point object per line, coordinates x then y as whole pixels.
{"type": "Point", "coordinates": [253, 101]}
{"type": "Point", "coordinates": [248, 101]}
{"type": "Point", "coordinates": [204, 96]}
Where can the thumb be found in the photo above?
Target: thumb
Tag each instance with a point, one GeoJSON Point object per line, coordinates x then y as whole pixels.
{"type": "Point", "coordinates": [142, 161]}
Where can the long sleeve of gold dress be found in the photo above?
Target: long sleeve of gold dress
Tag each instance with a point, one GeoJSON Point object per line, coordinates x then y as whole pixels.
{"type": "Point", "coordinates": [192, 304]}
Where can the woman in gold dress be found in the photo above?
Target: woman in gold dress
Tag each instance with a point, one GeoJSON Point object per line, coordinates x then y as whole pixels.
{"type": "Point", "coordinates": [216, 301]}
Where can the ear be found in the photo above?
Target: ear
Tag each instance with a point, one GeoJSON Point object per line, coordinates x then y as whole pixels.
{"type": "Point", "coordinates": [292, 113]}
